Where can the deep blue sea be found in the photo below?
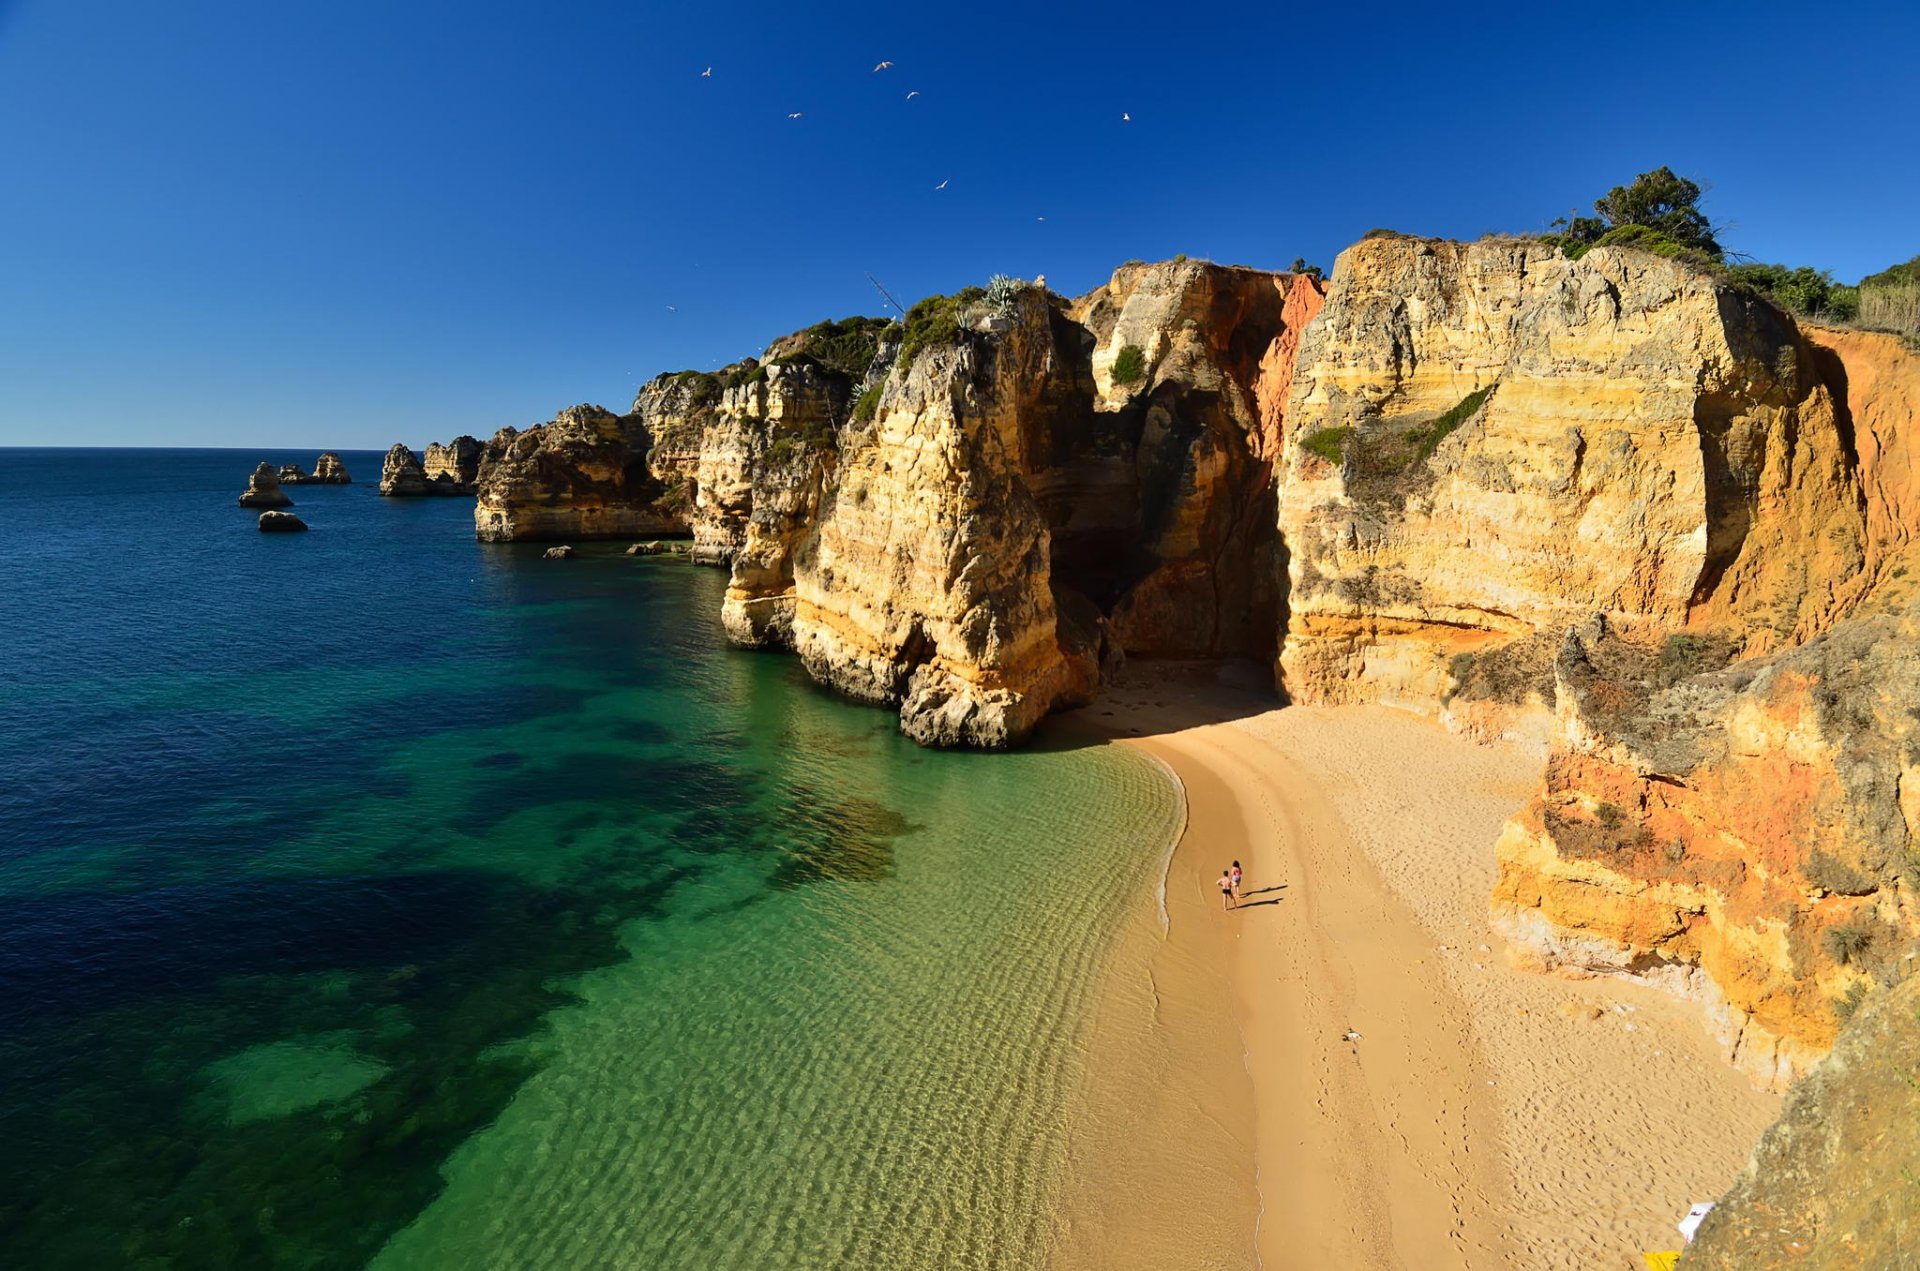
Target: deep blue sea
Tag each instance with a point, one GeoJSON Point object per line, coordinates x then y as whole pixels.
{"type": "Point", "coordinates": [377, 895]}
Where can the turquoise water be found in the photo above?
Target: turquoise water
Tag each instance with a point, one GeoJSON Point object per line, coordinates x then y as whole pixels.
{"type": "Point", "coordinates": [377, 895]}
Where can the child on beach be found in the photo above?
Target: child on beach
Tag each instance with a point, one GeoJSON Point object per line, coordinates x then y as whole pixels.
{"type": "Point", "coordinates": [1235, 872]}
{"type": "Point", "coordinates": [1227, 898]}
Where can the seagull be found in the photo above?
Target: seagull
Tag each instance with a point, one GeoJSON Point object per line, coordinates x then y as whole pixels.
{"type": "Point", "coordinates": [707, 74]}
{"type": "Point", "coordinates": [795, 115]}
{"type": "Point", "coordinates": [1039, 218]}
{"type": "Point", "coordinates": [941, 186]}
{"type": "Point", "coordinates": [883, 66]}
{"type": "Point", "coordinates": [1125, 118]}
{"type": "Point", "coordinates": [673, 308]}
{"type": "Point", "coordinates": [915, 93]}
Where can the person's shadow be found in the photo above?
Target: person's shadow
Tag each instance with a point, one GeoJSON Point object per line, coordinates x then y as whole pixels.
{"type": "Point", "coordinates": [1254, 904]}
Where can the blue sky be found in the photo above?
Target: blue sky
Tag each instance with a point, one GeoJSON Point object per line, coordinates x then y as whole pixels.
{"type": "Point", "coordinates": [349, 223]}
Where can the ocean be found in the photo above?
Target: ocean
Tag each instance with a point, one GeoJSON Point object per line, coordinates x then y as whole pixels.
{"type": "Point", "coordinates": [377, 896]}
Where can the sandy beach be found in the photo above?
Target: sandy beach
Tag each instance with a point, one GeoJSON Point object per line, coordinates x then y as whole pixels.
{"type": "Point", "coordinates": [1394, 1093]}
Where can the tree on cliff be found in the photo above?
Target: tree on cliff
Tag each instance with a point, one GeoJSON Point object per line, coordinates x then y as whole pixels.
{"type": "Point", "coordinates": [1659, 212]}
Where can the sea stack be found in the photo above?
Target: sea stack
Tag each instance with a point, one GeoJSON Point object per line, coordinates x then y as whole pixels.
{"type": "Point", "coordinates": [450, 469]}
{"type": "Point", "coordinates": [263, 490]}
{"type": "Point", "coordinates": [281, 523]}
{"type": "Point", "coordinates": [327, 470]}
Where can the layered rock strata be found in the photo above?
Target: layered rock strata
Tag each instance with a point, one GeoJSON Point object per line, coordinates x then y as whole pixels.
{"type": "Point", "coordinates": [1495, 442]}
{"type": "Point", "coordinates": [1491, 446]}
{"type": "Point", "coordinates": [263, 490]}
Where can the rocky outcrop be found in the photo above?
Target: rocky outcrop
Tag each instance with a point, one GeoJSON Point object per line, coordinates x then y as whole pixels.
{"type": "Point", "coordinates": [281, 523]}
{"type": "Point", "coordinates": [1161, 503]}
{"type": "Point", "coordinates": [263, 490]}
{"type": "Point", "coordinates": [456, 463]}
{"type": "Point", "coordinates": [584, 475]}
{"type": "Point", "coordinates": [327, 470]}
{"type": "Point", "coordinates": [1488, 447]}
{"type": "Point", "coordinates": [969, 533]}
{"type": "Point", "coordinates": [562, 552]}
{"type": "Point", "coordinates": [1831, 1187]}
{"type": "Point", "coordinates": [404, 475]}
{"type": "Point", "coordinates": [1748, 837]}
{"type": "Point", "coordinates": [1492, 442]}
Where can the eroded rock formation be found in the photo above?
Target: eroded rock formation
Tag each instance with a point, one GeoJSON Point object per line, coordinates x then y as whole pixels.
{"type": "Point", "coordinates": [263, 490]}
{"type": "Point", "coordinates": [1492, 446]}
{"type": "Point", "coordinates": [281, 523]}
{"type": "Point", "coordinates": [1831, 1186]}
{"type": "Point", "coordinates": [327, 470]}
{"type": "Point", "coordinates": [967, 534]}
{"type": "Point", "coordinates": [450, 469]}
{"type": "Point", "coordinates": [1500, 441]}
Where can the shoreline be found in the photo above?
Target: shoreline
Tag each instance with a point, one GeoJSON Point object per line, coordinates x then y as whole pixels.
{"type": "Point", "coordinates": [1482, 1117]}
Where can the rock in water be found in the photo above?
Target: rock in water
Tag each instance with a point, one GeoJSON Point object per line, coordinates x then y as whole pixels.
{"type": "Point", "coordinates": [263, 490]}
{"type": "Point", "coordinates": [563, 552]}
{"type": "Point", "coordinates": [450, 469]}
{"type": "Point", "coordinates": [327, 470]}
{"type": "Point", "coordinates": [281, 523]}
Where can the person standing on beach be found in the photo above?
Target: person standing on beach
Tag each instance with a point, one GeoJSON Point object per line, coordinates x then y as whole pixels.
{"type": "Point", "coordinates": [1227, 899]}
{"type": "Point", "coordinates": [1234, 873]}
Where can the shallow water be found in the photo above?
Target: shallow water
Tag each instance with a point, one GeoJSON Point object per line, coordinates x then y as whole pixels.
{"type": "Point", "coordinates": [378, 894]}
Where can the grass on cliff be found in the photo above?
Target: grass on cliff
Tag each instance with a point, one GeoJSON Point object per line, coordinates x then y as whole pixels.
{"type": "Point", "coordinates": [1129, 364]}
{"type": "Point", "coordinates": [1388, 452]}
{"type": "Point", "coordinates": [936, 321]}
{"type": "Point", "coordinates": [1328, 443]}
{"type": "Point", "coordinates": [846, 347]}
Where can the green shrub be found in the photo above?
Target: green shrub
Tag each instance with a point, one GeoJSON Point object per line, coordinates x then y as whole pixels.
{"type": "Point", "coordinates": [1659, 212]}
{"type": "Point", "coordinates": [1380, 233]}
{"type": "Point", "coordinates": [1129, 364]}
{"type": "Point", "coordinates": [1610, 815]}
{"type": "Point", "coordinates": [1808, 292]}
{"type": "Point", "coordinates": [1845, 944]}
{"type": "Point", "coordinates": [846, 347]}
{"type": "Point", "coordinates": [1329, 443]}
{"type": "Point", "coordinates": [1687, 654]}
{"type": "Point", "coordinates": [935, 320]}
{"type": "Point", "coordinates": [868, 405]}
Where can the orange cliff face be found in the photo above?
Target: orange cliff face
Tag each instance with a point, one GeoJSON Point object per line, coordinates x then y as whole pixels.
{"type": "Point", "coordinates": [1750, 837]}
{"type": "Point", "coordinates": [1552, 499]}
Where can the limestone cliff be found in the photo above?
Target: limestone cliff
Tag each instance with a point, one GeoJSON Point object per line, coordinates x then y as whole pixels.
{"type": "Point", "coordinates": [583, 475]}
{"type": "Point", "coordinates": [1749, 837]}
{"type": "Point", "coordinates": [456, 461]}
{"type": "Point", "coordinates": [1161, 502]}
{"type": "Point", "coordinates": [263, 490]}
{"type": "Point", "coordinates": [327, 470]}
{"type": "Point", "coordinates": [449, 470]}
{"type": "Point", "coordinates": [967, 533]}
{"type": "Point", "coordinates": [1491, 442]}
{"type": "Point", "coordinates": [1834, 1183]}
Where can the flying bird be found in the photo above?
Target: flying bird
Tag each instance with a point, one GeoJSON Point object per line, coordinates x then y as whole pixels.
{"type": "Point", "coordinates": [1039, 218]}
{"type": "Point", "coordinates": [915, 93]}
{"type": "Point", "coordinates": [1125, 118]}
{"type": "Point", "coordinates": [941, 186]}
{"type": "Point", "coordinates": [795, 115]}
{"type": "Point", "coordinates": [673, 308]}
{"type": "Point", "coordinates": [707, 74]}
{"type": "Point", "coordinates": [883, 66]}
